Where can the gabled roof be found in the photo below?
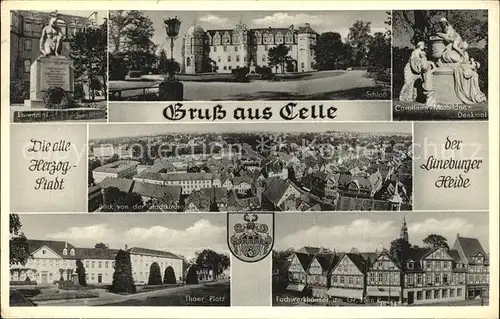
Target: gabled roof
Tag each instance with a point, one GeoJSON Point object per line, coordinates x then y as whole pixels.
{"type": "Point", "coordinates": [56, 246]}
{"type": "Point", "coordinates": [454, 254]}
{"type": "Point", "coordinates": [275, 189]}
{"type": "Point", "coordinates": [304, 259]}
{"type": "Point", "coordinates": [470, 247]}
{"type": "Point", "coordinates": [308, 250]}
{"type": "Point", "coordinates": [169, 193]}
{"type": "Point", "coordinates": [326, 261]}
{"type": "Point", "coordinates": [152, 252]}
{"type": "Point", "coordinates": [123, 184]}
{"type": "Point", "coordinates": [96, 253]}
{"type": "Point", "coordinates": [358, 261]}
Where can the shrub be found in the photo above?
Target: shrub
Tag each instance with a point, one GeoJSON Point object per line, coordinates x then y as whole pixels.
{"type": "Point", "coordinates": [78, 91]}
{"type": "Point", "coordinates": [28, 293]}
{"type": "Point", "coordinates": [22, 282]}
{"type": "Point", "coordinates": [240, 74]}
{"type": "Point", "coordinates": [57, 98]}
{"type": "Point", "coordinates": [19, 91]}
{"type": "Point", "coordinates": [117, 68]}
{"type": "Point", "coordinates": [66, 295]}
{"type": "Point", "coordinates": [134, 74]}
{"type": "Point", "coordinates": [169, 277]}
{"type": "Point", "coordinates": [154, 275]}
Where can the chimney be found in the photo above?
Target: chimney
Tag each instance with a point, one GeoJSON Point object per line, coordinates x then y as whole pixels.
{"type": "Point", "coordinates": [458, 235]}
{"type": "Point", "coordinates": [126, 247]}
{"type": "Point", "coordinates": [65, 244]}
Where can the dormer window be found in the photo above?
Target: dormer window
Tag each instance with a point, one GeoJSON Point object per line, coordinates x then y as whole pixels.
{"type": "Point", "coordinates": [72, 252]}
{"type": "Point", "coordinates": [65, 251]}
{"type": "Point", "coordinates": [410, 264]}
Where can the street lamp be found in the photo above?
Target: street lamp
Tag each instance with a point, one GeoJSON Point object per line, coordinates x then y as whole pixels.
{"type": "Point", "coordinates": [172, 26]}
{"type": "Point", "coordinates": [171, 89]}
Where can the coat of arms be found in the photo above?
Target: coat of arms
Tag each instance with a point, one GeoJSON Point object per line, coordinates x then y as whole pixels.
{"type": "Point", "coordinates": [250, 235]}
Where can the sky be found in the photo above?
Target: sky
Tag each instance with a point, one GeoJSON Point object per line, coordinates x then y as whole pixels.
{"type": "Point", "coordinates": [370, 231]}
{"type": "Point", "coordinates": [321, 21]}
{"type": "Point", "coordinates": [97, 131]}
{"type": "Point", "coordinates": [182, 234]}
{"type": "Point", "coordinates": [101, 14]}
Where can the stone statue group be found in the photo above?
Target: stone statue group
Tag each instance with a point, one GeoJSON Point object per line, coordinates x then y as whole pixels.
{"type": "Point", "coordinates": [450, 52]}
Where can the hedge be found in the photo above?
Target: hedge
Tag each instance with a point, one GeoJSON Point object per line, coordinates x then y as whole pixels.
{"type": "Point", "coordinates": [22, 283]}
{"type": "Point", "coordinates": [66, 295]}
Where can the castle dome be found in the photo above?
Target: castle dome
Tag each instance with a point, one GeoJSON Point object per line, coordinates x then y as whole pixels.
{"type": "Point", "coordinates": [194, 30]}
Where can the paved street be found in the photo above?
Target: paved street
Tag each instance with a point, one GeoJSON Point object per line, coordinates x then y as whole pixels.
{"type": "Point", "coordinates": [348, 85]}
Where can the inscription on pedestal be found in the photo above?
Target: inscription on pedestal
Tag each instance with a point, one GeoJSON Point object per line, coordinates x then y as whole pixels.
{"type": "Point", "coordinates": [55, 75]}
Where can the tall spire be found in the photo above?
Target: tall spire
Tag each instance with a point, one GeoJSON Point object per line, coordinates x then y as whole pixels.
{"type": "Point", "coordinates": [404, 230]}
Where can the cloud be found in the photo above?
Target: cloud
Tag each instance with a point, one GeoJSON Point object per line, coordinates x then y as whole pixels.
{"type": "Point", "coordinates": [283, 19]}
{"type": "Point", "coordinates": [213, 19]}
{"type": "Point", "coordinates": [202, 234]}
{"type": "Point", "coordinates": [369, 235]}
{"type": "Point", "coordinates": [364, 234]}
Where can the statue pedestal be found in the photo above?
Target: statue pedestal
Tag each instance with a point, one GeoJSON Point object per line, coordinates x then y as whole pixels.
{"type": "Point", "coordinates": [444, 86]}
{"type": "Point", "coordinates": [56, 71]}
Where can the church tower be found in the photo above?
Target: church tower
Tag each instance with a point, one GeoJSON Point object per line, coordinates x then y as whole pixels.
{"type": "Point", "coordinates": [404, 231]}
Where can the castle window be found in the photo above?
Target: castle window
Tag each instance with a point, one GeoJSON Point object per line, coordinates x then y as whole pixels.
{"type": "Point", "coordinates": [279, 38]}
{"type": "Point", "coordinates": [263, 58]}
{"type": "Point", "coordinates": [268, 37]}
{"type": "Point", "coordinates": [289, 37]}
{"type": "Point", "coordinates": [257, 38]}
{"type": "Point", "coordinates": [228, 58]}
{"type": "Point", "coordinates": [237, 58]}
{"type": "Point", "coordinates": [226, 39]}
{"type": "Point", "coordinates": [410, 265]}
{"type": "Point", "coordinates": [215, 49]}
{"type": "Point", "coordinates": [72, 252]}
{"type": "Point", "coordinates": [225, 48]}
{"type": "Point", "coordinates": [27, 65]}
{"type": "Point", "coordinates": [225, 68]}
{"type": "Point", "coordinates": [27, 45]}
{"type": "Point", "coordinates": [229, 68]}
{"type": "Point", "coordinates": [217, 39]}
{"type": "Point", "coordinates": [236, 48]}
{"type": "Point", "coordinates": [245, 58]}
{"type": "Point", "coordinates": [188, 62]}
{"type": "Point", "coordinates": [65, 251]}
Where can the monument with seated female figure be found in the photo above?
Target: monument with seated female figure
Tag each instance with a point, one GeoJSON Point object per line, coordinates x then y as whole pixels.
{"type": "Point", "coordinates": [449, 76]}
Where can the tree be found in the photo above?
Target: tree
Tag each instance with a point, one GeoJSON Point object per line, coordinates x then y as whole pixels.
{"type": "Point", "coordinates": [359, 40]}
{"type": "Point", "coordinates": [114, 200]}
{"type": "Point", "coordinates": [212, 260]}
{"type": "Point", "coordinates": [80, 270]}
{"type": "Point", "coordinates": [435, 241]}
{"type": "Point", "coordinates": [400, 249]}
{"type": "Point", "coordinates": [18, 244]}
{"type": "Point", "coordinates": [278, 56]}
{"type": "Point", "coordinates": [93, 164]}
{"type": "Point", "coordinates": [101, 245]}
{"type": "Point", "coordinates": [379, 54]}
{"type": "Point", "coordinates": [154, 274]}
{"type": "Point", "coordinates": [122, 276]}
{"type": "Point", "coordinates": [131, 33]}
{"type": "Point", "coordinates": [89, 52]}
{"type": "Point", "coordinates": [281, 255]}
{"type": "Point", "coordinates": [329, 51]}
{"type": "Point", "coordinates": [162, 62]}
{"type": "Point", "coordinates": [192, 275]}
{"type": "Point", "coordinates": [169, 277]}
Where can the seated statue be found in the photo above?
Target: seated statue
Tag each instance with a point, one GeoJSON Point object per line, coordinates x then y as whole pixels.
{"type": "Point", "coordinates": [51, 39]}
{"type": "Point", "coordinates": [455, 47]}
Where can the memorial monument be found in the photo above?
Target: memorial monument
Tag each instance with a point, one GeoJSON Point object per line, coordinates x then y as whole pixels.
{"type": "Point", "coordinates": [51, 69]}
{"type": "Point", "coordinates": [449, 76]}
{"type": "Point", "coordinates": [52, 83]}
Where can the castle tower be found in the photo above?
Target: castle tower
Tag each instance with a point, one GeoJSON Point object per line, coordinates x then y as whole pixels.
{"type": "Point", "coordinates": [193, 49]}
{"type": "Point", "coordinates": [306, 41]}
{"type": "Point", "coordinates": [404, 231]}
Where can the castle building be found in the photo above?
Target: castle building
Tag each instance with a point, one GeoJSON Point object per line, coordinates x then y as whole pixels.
{"type": "Point", "coordinates": [223, 50]}
{"type": "Point", "coordinates": [53, 261]}
{"type": "Point", "coordinates": [26, 30]}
